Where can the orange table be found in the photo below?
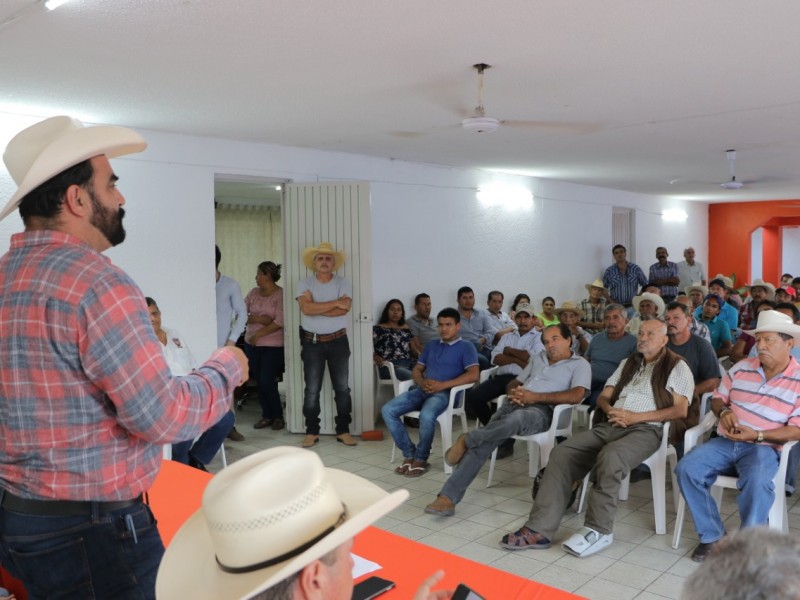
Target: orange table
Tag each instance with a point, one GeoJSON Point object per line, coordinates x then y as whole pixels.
{"type": "Point", "coordinates": [178, 490]}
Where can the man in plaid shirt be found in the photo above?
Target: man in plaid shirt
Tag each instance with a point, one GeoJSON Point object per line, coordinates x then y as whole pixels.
{"type": "Point", "coordinates": [86, 398]}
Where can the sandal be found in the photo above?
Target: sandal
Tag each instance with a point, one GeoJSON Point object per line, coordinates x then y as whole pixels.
{"type": "Point", "coordinates": [418, 468]}
{"type": "Point", "coordinates": [525, 539]}
{"type": "Point", "coordinates": [403, 469]}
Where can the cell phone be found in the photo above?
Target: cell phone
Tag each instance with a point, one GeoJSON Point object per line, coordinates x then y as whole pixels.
{"type": "Point", "coordinates": [370, 588]}
{"type": "Point", "coordinates": [464, 593]}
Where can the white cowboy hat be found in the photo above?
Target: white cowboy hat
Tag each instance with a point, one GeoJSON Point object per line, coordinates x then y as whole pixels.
{"type": "Point", "coordinates": [49, 147]}
{"type": "Point", "coordinates": [772, 321]}
{"type": "Point", "coordinates": [263, 519]}
{"type": "Point", "coordinates": [324, 248]}
{"type": "Point", "coordinates": [597, 283]}
{"type": "Point", "coordinates": [763, 284]}
{"type": "Point", "coordinates": [701, 288]}
{"type": "Point", "coordinates": [568, 306]}
{"type": "Point", "coordinates": [654, 298]}
{"type": "Point", "coordinates": [726, 280]}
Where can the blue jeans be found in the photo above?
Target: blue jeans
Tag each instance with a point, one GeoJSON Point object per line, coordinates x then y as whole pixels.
{"type": "Point", "coordinates": [507, 421]}
{"type": "Point", "coordinates": [430, 406]}
{"type": "Point", "coordinates": [336, 354]}
{"type": "Point", "coordinates": [267, 365]}
{"type": "Point", "coordinates": [402, 370]}
{"type": "Point", "coordinates": [93, 556]}
{"type": "Point", "coordinates": [755, 465]}
{"type": "Point", "coordinates": [207, 445]}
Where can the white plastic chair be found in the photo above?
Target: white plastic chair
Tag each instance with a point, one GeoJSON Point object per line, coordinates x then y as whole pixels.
{"type": "Point", "coordinates": [539, 444]}
{"type": "Point", "coordinates": [778, 516]}
{"type": "Point", "coordinates": [445, 419]}
{"type": "Point", "coordinates": [392, 381]}
{"type": "Point", "coordinates": [657, 462]}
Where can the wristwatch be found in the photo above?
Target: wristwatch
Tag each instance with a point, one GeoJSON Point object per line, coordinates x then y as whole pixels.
{"type": "Point", "coordinates": [760, 437]}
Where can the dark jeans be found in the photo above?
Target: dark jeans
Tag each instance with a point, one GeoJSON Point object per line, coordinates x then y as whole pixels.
{"type": "Point", "coordinates": [477, 399]}
{"type": "Point", "coordinates": [267, 365]}
{"type": "Point", "coordinates": [402, 370]}
{"type": "Point", "coordinates": [83, 557]}
{"type": "Point", "coordinates": [207, 445]}
{"type": "Point", "coordinates": [336, 354]}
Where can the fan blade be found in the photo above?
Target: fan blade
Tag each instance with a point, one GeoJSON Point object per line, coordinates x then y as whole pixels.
{"type": "Point", "coordinates": [565, 127]}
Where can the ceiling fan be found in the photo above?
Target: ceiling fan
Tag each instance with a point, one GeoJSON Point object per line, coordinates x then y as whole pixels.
{"type": "Point", "coordinates": [479, 122]}
{"type": "Point", "coordinates": [732, 184]}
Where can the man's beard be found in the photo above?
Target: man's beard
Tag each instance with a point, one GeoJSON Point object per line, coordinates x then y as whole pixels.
{"type": "Point", "coordinates": [108, 222]}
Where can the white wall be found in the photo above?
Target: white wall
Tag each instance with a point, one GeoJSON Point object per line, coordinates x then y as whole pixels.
{"type": "Point", "coordinates": [757, 253]}
{"type": "Point", "coordinates": [790, 259]}
{"type": "Point", "coordinates": [429, 230]}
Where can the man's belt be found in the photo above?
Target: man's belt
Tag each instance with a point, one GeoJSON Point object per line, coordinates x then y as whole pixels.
{"type": "Point", "coordinates": [61, 508]}
{"type": "Point", "coordinates": [317, 338]}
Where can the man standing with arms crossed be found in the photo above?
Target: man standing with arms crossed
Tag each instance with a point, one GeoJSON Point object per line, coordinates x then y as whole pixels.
{"type": "Point", "coordinates": [623, 279]}
{"type": "Point", "coordinates": [86, 398]}
{"type": "Point", "coordinates": [325, 302]}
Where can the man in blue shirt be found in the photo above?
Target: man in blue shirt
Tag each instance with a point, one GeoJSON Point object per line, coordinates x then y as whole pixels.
{"type": "Point", "coordinates": [623, 279]}
{"type": "Point", "coordinates": [444, 364]}
{"type": "Point", "coordinates": [719, 330]}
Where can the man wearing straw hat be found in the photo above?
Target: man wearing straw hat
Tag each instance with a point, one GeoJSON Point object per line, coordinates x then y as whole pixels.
{"type": "Point", "coordinates": [86, 397]}
{"type": "Point", "coordinates": [325, 302]}
{"type": "Point", "coordinates": [594, 307]}
{"type": "Point", "coordinates": [758, 405]}
{"type": "Point", "coordinates": [759, 290]}
{"type": "Point", "coordinates": [265, 534]}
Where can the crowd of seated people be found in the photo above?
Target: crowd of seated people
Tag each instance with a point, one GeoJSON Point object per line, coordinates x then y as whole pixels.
{"type": "Point", "coordinates": [675, 313]}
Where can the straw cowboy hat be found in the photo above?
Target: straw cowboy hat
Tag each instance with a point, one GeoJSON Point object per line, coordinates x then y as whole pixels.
{"type": "Point", "coordinates": [597, 283]}
{"type": "Point", "coordinates": [701, 288]}
{"type": "Point", "coordinates": [727, 281]}
{"type": "Point", "coordinates": [323, 248]}
{"type": "Point", "coordinates": [772, 321]}
{"type": "Point", "coordinates": [763, 284]}
{"type": "Point", "coordinates": [568, 306]}
{"type": "Point", "coordinates": [260, 523]}
{"type": "Point", "coordinates": [49, 147]}
{"type": "Point", "coordinates": [654, 298]}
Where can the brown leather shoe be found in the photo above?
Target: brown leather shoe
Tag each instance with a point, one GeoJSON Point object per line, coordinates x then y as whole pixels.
{"type": "Point", "coordinates": [235, 435]}
{"type": "Point", "coordinates": [442, 507]}
{"type": "Point", "coordinates": [346, 439]}
{"type": "Point", "coordinates": [457, 451]}
{"type": "Point", "coordinates": [310, 440]}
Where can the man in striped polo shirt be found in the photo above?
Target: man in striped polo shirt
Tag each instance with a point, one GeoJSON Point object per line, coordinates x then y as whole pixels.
{"type": "Point", "coordinates": [758, 405]}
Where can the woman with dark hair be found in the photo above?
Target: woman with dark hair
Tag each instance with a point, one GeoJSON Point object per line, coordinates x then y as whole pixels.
{"type": "Point", "coordinates": [548, 316]}
{"type": "Point", "coordinates": [391, 341]}
{"type": "Point", "coordinates": [264, 342]}
{"type": "Point", "coordinates": [519, 299]}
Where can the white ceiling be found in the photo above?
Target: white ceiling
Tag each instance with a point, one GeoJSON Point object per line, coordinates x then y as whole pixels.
{"type": "Point", "coordinates": [665, 87]}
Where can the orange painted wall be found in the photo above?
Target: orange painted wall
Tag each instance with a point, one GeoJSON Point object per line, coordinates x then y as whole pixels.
{"type": "Point", "coordinates": [729, 228]}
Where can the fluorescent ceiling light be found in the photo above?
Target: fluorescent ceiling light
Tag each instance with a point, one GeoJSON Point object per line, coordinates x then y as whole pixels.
{"type": "Point", "coordinates": [676, 215]}
{"type": "Point", "coordinates": [507, 196]}
{"type": "Point", "coordinates": [54, 4]}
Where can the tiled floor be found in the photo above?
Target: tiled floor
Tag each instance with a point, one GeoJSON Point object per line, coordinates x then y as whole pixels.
{"type": "Point", "coordinates": [640, 564]}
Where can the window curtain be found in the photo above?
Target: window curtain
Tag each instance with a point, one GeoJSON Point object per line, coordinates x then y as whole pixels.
{"type": "Point", "coordinates": [248, 236]}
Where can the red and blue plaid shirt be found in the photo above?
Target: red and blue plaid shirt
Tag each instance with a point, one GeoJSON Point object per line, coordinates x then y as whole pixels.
{"type": "Point", "coordinates": [86, 398]}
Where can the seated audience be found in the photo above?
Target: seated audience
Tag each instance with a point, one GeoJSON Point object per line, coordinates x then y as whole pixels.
{"type": "Point", "coordinates": [759, 290]}
{"type": "Point", "coordinates": [569, 314]}
{"type": "Point", "coordinates": [653, 385]}
{"type": "Point", "coordinates": [594, 306]}
{"type": "Point", "coordinates": [722, 286]}
{"type": "Point", "coordinates": [554, 376]}
{"type": "Point", "coordinates": [510, 356]}
{"type": "Point", "coordinates": [264, 342]}
{"type": "Point", "coordinates": [647, 305]}
{"type": "Point", "coordinates": [719, 330]}
{"type": "Point", "coordinates": [745, 342]}
{"type": "Point", "coordinates": [500, 321]}
{"type": "Point", "coordinates": [758, 405]}
{"type": "Point", "coordinates": [391, 341]}
{"type": "Point", "coordinates": [475, 326]}
{"type": "Point", "coordinates": [696, 294]}
{"type": "Point", "coordinates": [262, 533]}
{"type": "Point", "coordinates": [443, 364]}
{"type": "Point", "coordinates": [751, 564]}
{"type": "Point", "coordinates": [423, 328]}
{"type": "Point", "coordinates": [548, 316]}
{"type": "Point", "coordinates": [608, 348]}
{"type": "Point", "coordinates": [698, 329]}
{"type": "Point", "coordinates": [181, 362]}
{"type": "Point", "coordinates": [518, 299]}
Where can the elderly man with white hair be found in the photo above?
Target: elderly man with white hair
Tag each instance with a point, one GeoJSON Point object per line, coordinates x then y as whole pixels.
{"type": "Point", "coordinates": [758, 405]}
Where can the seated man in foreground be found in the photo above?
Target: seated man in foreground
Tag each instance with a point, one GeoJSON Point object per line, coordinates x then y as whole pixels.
{"type": "Point", "coordinates": [263, 552]}
{"type": "Point", "coordinates": [758, 405]}
{"type": "Point", "coordinates": [444, 364]}
{"type": "Point", "coordinates": [554, 376]}
{"type": "Point", "coordinates": [651, 386]}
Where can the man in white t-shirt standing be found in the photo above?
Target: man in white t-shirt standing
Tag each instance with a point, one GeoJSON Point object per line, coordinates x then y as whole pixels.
{"type": "Point", "coordinates": [325, 302]}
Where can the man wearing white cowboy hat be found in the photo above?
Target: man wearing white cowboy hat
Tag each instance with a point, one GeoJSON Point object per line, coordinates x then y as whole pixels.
{"type": "Point", "coordinates": [594, 307]}
{"type": "Point", "coordinates": [758, 405]}
{"type": "Point", "coordinates": [759, 290]}
{"type": "Point", "coordinates": [263, 533]}
{"type": "Point", "coordinates": [569, 314]}
{"type": "Point", "coordinates": [86, 396]}
{"type": "Point", "coordinates": [646, 305]}
{"type": "Point", "coordinates": [325, 301]}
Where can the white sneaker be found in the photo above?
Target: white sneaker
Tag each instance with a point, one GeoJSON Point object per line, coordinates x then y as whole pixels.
{"type": "Point", "coordinates": [587, 542]}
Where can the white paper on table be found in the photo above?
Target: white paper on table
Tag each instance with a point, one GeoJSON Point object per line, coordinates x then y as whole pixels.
{"type": "Point", "coordinates": [362, 566]}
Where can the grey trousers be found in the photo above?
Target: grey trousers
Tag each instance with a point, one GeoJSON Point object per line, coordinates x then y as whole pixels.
{"type": "Point", "coordinates": [613, 452]}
